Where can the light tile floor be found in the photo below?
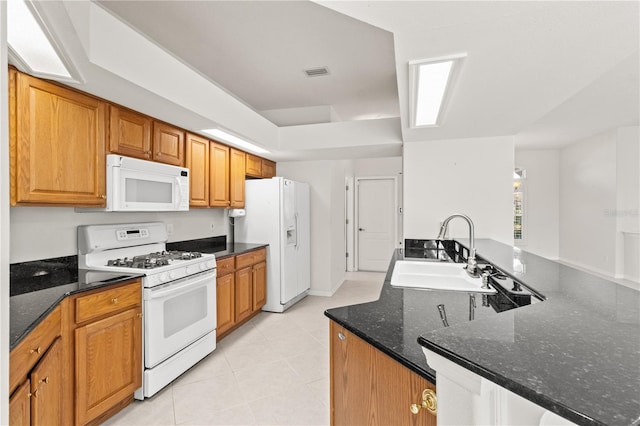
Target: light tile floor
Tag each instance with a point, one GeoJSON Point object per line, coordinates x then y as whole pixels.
{"type": "Point", "coordinates": [274, 370]}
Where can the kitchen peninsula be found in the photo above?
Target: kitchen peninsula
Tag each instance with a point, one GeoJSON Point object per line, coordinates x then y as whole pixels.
{"type": "Point", "coordinates": [576, 354]}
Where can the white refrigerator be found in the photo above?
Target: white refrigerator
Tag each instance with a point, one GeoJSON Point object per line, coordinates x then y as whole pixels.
{"type": "Point", "coordinates": [277, 213]}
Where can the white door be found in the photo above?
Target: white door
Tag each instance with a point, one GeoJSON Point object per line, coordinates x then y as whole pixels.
{"type": "Point", "coordinates": [376, 222]}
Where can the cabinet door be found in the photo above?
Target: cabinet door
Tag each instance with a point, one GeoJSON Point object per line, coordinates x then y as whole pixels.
{"type": "Point", "coordinates": [219, 175]}
{"type": "Point", "coordinates": [130, 133]}
{"type": "Point", "coordinates": [47, 387]}
{"type": "Point", "coordinates": [351, 378]}
{"type": "Point", "coordinates": [244, 303]}
{"type": "Point", "coordinates": [253, 166]}
{"type": "Point", "coordinates": [369, 387]}
{"type": "Point", "coordinates": [168, 144]}
{"type": "Point", "coordinates": [268, 169]}
{"type": "Point", "coordinates": [58, 145]}
{"type": "Point", "coordinates": [108, 363]}
{"type": "Point", "coordinates": [197, 162]}
{"type": "Point", "coordinates": [236, 185]}
{"type": "Point", "coordinates": [225, 303]}
{"type": "Point", "coordinates": [20, 406]}
{"type": "Point", "coordinates": [259, 285]}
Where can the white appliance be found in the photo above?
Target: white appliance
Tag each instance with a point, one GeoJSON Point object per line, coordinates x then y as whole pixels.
{"type": "Point", "coordinates": [179, 295]}
{"type": "Point", "coordinates": [277, 213]}
{"type": "Point", "coordinates": [135, 185]}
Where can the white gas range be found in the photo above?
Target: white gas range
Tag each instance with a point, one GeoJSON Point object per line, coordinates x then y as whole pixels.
{"type": "Point", "coordinates": [179, 294]}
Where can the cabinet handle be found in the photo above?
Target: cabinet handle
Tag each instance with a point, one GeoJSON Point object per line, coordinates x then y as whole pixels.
{"type": "Point", "coordinates": [35, 393]}
{"type": "Point", "coordinates": [341, 336]}
{"type": "Point", "coordinates": [45, 380]}
{"type": "Point", "coordinates": [429, 403]}
{"type": "Point", "coordinates": [139, 315]}
{"type": "Point", "coordinates": [37, 350]}
{"type": "Point", "coordinates": [114, 300]}
{"type": "Point", "coordinates": [103, 196]}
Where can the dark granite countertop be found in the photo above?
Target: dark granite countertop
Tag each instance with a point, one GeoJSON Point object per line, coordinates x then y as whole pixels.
{"type": "Point", "coordinates": [38, 287]}
{"type": "Point", "coordinates": [577, 354]}
{"type": "Point", "coordinates": [215, 245]}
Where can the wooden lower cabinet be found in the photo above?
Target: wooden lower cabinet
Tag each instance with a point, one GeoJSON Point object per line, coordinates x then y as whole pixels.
{"type": "Point", "coordinates": [244, 304]}
{"type": "Point", "coordinates": [20, 405]}
{"type": "Point", "coordinates": [259, 285]}
{"type": "Point", "coordinates": [241, 289]}
{"type": "Point", "coordinates": [370, 388]}
{"type": "Point", "coordinates": [39, 400]}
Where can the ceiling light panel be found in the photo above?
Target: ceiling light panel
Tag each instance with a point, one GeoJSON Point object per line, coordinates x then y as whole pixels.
{"type": "Point", "coordinates": [431, 82]}
{"type": "Point", "coordinates": [29, 43]}
{"type": "Point", "coordinates": [234, 140]}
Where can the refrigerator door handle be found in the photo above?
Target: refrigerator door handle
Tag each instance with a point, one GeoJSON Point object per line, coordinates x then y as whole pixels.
{"type": "Point", "coordinates": [295, 217]}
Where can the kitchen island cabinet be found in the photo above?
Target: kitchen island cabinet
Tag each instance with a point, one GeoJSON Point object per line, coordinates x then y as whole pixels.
{"type": "Point", "coordinates": [57, 142]}
{"type": "Point", "coordinates": [370, 388]}
{"type": "Point", "coordinates": [569, 355]}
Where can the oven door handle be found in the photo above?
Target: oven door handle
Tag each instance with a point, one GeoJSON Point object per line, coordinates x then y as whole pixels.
{"type": "Point", "coordinates": [178, 288]}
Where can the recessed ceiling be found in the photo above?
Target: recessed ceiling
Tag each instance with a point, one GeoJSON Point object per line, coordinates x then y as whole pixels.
{"type": "Point", "coordinates": [260, 52]}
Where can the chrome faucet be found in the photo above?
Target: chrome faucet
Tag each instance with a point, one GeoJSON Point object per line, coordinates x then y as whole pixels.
{"type": "Point", "coordinates": [472, 265]}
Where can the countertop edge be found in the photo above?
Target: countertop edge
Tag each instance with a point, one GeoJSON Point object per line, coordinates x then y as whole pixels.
{"type": "Point", "coordinates": [518, 389]}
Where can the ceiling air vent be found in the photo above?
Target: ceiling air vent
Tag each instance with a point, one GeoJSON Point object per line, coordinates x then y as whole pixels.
{"type": "Point", "coordinates": [317, 72]}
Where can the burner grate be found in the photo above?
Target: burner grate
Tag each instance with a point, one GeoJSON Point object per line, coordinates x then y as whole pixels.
{"type": "Point", "coordinates": [154, 260]}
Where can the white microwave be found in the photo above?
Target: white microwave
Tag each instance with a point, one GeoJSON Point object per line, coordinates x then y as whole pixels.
{"type": "Point", "coordinates": [135, 185]}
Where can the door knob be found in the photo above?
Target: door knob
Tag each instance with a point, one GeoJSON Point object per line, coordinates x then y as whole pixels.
{"type": "Point", "coordinates": [360, 229]}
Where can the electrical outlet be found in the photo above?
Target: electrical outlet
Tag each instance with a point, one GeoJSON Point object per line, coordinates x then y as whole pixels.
{"type": "Point", "coordinates": [169, 228]}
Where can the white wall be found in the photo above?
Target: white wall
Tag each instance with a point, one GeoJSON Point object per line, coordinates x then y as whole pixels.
{"type": "Point", "coordinates": [588, 203]}
{"type": "Point", "coordinates": [45, 232]}
{"type": "Point", "coordinates": [542, 201]}
{"type": "Point", "coordinates": [470, 176]}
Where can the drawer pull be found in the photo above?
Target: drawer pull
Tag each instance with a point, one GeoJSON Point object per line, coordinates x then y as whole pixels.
{"type": "Point", "coordinates": [45, 380]}
{"type": "Point", "coordinates": [37, 350]}
{"type": "Point", "coordinates": [114, 300]}
{"type": "Point", "coordinates": [341, 336]}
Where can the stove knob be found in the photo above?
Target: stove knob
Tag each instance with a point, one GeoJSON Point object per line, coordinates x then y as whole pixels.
{"type": "Point", "coordinates": [203, 266]}
{"type": "Point", "coordinates": [163, 276]}
{"type": "Point", "coordinates": [211, 264]}
{"type": "Point", "coordinates": [172, 275]}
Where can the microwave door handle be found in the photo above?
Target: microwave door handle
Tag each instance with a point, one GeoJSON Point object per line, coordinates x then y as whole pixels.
{"type": "Point", "coordinates": [178, 192]}
{"type": "Point", "coordinates": [176, 288]}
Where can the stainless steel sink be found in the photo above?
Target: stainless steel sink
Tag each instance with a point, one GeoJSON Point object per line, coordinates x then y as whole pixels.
{"type": "Point", "coordinates": [436, 276]}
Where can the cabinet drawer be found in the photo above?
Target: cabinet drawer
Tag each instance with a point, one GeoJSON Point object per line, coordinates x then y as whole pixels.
{"type": "Point", "coordinates": [225, 266]}
{"type": "Point", "coordinates": [25, 355]}
{"type": "Point", "coordinates": [107, 301]}
{"type": "Point", "coordinates": [251, 258]}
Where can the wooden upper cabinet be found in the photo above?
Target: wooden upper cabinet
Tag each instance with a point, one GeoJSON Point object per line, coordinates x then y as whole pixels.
{"type": "Point", "coordinates": [57, 144]}
{"type": "Point", "coordinates": [258, 167]}
{"type": "Point", "coordinates": [236, 175]}
{"type": "Point", "coordinates": [130, 133]}
{"type": "Point", "coordinates": [219, 175]}
{"type": "Point", "coordinates": [253, 166]}
{"type": "Point", "coordinates": [268, 169]}
{"type": "Point", "coordinates": [168, 144]}
{"type": "Point", "coordinates": [197, 161]}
